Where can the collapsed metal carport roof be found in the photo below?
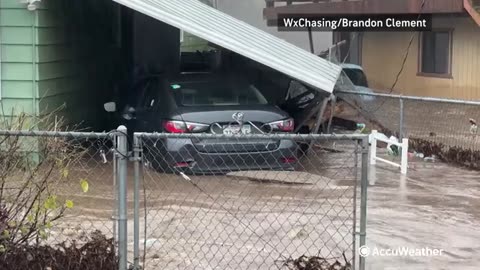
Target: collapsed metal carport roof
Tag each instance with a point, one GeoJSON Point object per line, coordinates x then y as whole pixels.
{"type": "Point", "coordinates": [221, 29]}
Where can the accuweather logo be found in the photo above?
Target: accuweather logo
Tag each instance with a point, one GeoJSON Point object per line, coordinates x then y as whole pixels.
{"type": "Point", "coordinates": [365, 251]}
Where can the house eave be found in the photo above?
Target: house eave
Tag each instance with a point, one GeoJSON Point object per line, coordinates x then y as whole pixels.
{"type": "Point", "coordinates": [371, 7]}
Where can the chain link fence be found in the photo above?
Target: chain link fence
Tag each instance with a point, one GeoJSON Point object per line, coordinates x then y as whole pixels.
{"type": "Point", "coordinates": [247, 202]}
{"type": "Point", "coordinates": [199, 201]}
{"type": "Point", "coordinates": [437, 128]}
{"type": "Point", "coordinates": [57, 200]}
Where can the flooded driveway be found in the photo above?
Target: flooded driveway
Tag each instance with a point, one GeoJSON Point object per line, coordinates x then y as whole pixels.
{"type": "Point", "coordinates": [240, 224]}
{"type": "Point", "coordinates": [436, 206]}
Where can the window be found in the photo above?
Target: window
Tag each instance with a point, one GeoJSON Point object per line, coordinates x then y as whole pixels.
{"type": "Point", "coordinates": [196, 54]}
{"type": "Point", "coordinates": [216, 93]}
{"type": "Point", "coordinates": [351, 51]}
{"type": "Point", "coordinates": [435, 53]}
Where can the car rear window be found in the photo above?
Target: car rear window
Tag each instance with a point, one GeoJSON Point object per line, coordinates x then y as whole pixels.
{"type": "Point", "coordinates": [216, 93]}
{"type": "Point", "coordinates": [357, 77]}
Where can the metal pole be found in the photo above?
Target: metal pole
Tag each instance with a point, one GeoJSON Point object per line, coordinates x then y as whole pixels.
{"type": "Point", "coordinates": [310, 40]}
{"type": "Point", "coordinates": [363, 199]}
{"type": "Point", "coordinates": [401, 120]}
{"type": "Point", "coordinates": [318, 122]}
{"type": "Point", "coordinates": [136, 202]}
{"type": "Point", "coordinates": [320, 114]}
{"type": "Point", "coordinates": [332, 108]}
{"type": "Point", "coordinates": [355, 194]}
{"type": "Point", "coordinates": [122, 153]}
{"type": "Point", "coordinates": [115, 190]}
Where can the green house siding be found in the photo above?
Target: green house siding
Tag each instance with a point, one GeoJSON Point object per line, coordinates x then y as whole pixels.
{"type": "Point", "coordinates": [72, 62]}
{"type": "Point", "coordinates": [57, 67]}
{"type": "Point", "coordinates": [17, 34]}
{"type": "Point", "coordinates": [49, 62]}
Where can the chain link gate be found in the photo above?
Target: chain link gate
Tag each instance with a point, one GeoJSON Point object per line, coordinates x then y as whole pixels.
{"type": "Point", "coordinates": [204, 201]}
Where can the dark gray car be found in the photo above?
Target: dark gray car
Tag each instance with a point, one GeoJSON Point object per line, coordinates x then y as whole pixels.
{"type": "Point", "coordinates": [206, 103]}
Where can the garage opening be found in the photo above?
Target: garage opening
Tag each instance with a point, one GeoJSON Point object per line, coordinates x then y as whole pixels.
{"type": "Point", "coordinates": [112, 51]}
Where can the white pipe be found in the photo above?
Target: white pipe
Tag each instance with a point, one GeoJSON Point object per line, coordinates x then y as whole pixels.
{"type": "Point", "coordinates": [404, 163]}
{"type": "Point", "coordinates": [388, 162]}
{"type": "Point", "coordinates": [388, 141]}
{"type": "Point", "coordinates": [373, 148]}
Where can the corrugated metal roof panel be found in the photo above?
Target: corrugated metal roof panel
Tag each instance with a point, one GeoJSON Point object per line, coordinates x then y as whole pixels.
{"type": "Point", "coordinates": [219, 28]}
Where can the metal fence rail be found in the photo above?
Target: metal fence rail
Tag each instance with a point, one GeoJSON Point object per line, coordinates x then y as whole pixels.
{"type": "Point", "coordinates": [234, 202]}
{"type": "Point", "coordinates": [444, 128]}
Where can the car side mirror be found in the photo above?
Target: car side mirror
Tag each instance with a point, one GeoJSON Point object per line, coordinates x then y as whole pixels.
{"type": "Point", "coordinates": [110, 106]}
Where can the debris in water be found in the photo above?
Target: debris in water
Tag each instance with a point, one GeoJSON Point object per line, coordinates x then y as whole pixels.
{"type": "Point", "coordinates": [419, 155]}
{"type": "Point", "coordinates": [432, 159]}
{"type": "Point", "coordinates": [104, 156]}
{"type": "Point", "coordinates": [393, 149]}
{"type": "Point", "coordinates": [360, 127]}
{"type": "Point", "coordinates": [473, 126]}
{"type": "Point", "coordinates": [315, 263]}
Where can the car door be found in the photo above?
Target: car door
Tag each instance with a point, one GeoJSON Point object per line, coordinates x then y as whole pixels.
{"type": "Point", "coordinates": [147, 106]}
{"type": "Point", "coordinates": [301, 103]}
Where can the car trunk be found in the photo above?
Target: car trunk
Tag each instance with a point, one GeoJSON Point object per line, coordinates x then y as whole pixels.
{"type": "Point", "coordinates": [222, 121]}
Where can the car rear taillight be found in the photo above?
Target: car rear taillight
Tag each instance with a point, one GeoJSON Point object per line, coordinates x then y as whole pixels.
{"type": "Point", "coordinates": [288, 160]}
{"type": "Point", "coordinates": [284, 125]}
{"type": "Point", "coordinates": [184, 127]}
{"type": "Point", "coordinates": [181, 165]}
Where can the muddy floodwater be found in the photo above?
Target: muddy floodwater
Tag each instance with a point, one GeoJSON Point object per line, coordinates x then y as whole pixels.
{"type": "Point", "coordinates": [238, 223]}
{"type": "Point", "coordinates": [435, 206]}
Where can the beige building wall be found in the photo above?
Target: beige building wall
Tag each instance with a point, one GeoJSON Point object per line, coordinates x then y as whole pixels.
{"type": "Point", "coordinates": [383, 53]}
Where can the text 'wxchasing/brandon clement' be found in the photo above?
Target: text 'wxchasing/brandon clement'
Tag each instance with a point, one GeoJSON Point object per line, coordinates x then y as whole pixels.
{"type": "Point", "coordinates": [352, 23]}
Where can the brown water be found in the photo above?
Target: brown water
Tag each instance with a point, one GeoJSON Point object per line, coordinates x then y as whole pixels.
{"type": "Point", "coordinates": [435, 206]}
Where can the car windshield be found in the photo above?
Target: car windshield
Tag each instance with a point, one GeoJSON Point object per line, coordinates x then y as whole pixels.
{"type": "Point", "coordinates": [357, 77]}
{"type": "Point", "coordinates": [216, 93]}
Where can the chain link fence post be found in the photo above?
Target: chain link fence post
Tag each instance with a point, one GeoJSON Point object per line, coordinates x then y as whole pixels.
{"type": "Point", "coordinates": [115, 190]}
{"type": "Point", "coordinates": [137, 149]}
{"type": "Point", "coordinates": [363, 198]}
{"type": "Point", "coordinates": [122, 159]}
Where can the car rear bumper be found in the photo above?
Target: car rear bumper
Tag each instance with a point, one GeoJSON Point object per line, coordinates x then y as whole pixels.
{"type": "Point", "coordinates": [173, 154]}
